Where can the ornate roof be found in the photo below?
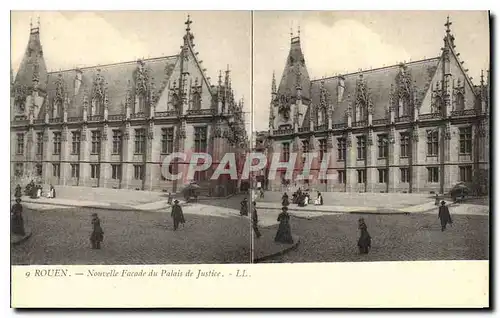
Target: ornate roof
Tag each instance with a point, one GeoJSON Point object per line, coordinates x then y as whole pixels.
{"type": "Point", "coordinates": [295, 73]}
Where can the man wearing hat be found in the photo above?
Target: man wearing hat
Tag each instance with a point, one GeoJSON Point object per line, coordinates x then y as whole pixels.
{"type": "Point", "coordinates": [444, 215]}
{"type": "Point", "coordinates": [17, 224]}
{"type": "Point", "coordinates": [97, 235]}
{"type": "Point", "coordinates": [177, 215]}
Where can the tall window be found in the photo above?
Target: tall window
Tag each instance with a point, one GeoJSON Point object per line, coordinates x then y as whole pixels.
{"type": "Point", "coordinates": [432, 143]}
{"type": "Point", "coordinates": [116, 172]}
{"type": "Point", "coordinates": [322, 149]}
{"type": "Point", "coordinates": [404, 145]}
{"type": "Point", "coordinates": [95, 170]}
{"type": "Point", "coordinates": [39, 143]}
{"type": "Point", "coordinates": [117, 141]}
{"type": "Point", "coordinates": [432, 174]}
{"type": "Point", "coordinates": [466, 173]}
{"type": "Point", "coordinates": [196, 101]}
{"type": "Point", "coordinates": [56, 170]}
{"type": "Point", "coordinates": [382, 175]}
{"type": "Point", "coordinates": [96, 142]}
{"type": "Point", "coordinates": [383, 146]}
{"type": "Point", "coordinates": [39, 169]}
{"type": "Point", "coordinates": [75, 143]}
{"type": "Point", "coordinates": [465, 140]}
{"type": "Point", "coordinates": [75, 170]}
{"type": "Point", "coordinates": [361, 141]}
{"type": "Point", "coordinates": [138, 172]}
{"type": "Point", "coordinates": [341, 175]}
{"type": "Point", "coordinates": [140, 141]}
{"type": "Point", "coordinates": [405, 175]}
{"type": "Point", "coordinates": [305, 149]}
{"type": "Point", "coordinates": [200, 139]}
{"type": "Point", "coordinates": [57, 143]}
{"type": "Point", "coordinates": [20, 144]}
{"type": "Point", "coordinates": [460, 102]}
{"type": "Point", "coordinates": [167, 140]}
{"type": "Point", "coordinates": [361, 175]}
{"type": "Point", "coordinates": [19, 169]}
{"type": "Point", "coordinates": [286, 152]}
{"type": "Point", "coordinates": [341, 148]}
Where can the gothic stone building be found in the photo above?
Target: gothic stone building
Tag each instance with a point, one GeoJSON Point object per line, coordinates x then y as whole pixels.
{"type": "Point", "coordinates": [112, 125]}
{"type": "Point", "coordinates": [414, 127]}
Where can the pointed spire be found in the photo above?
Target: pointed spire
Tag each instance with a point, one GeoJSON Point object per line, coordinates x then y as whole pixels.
{"type": "Point", "coordinates": [448, 24]}
{"type": "Point", "coordinates": [188, 24]}
{"type": "Point", "coordinates": [220, 77]}
{"type": "Point", "coordinates": [482, 78]}
{"type": "Point", "coordinates": [273, 84]}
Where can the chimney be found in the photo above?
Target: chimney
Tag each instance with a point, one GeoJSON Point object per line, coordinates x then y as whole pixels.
{"type": "Point", "coordinates": [340, 89]}
{"type": "Point", "coordinates": [78, 80]}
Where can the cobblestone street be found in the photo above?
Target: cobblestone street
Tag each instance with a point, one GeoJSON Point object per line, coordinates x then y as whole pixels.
{"type": "Point", "coordinates": [61, 236]}
{"type": "Point", "coordinates": [333, 238]}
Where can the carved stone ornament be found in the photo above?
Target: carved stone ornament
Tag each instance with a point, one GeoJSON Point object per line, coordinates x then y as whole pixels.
{"type": "Point", "coordinates": [415, 134]}
{"type": "Point", "coordinates": [284, 106]}
{"type": "Point", "coordinates": [20, 94]}
{"type": "Point", "coordinates": [141, 79]}
{"type": "Point", "coordinates": [447, 132]}
{"type": "Point", "coordinates": [329, 142]}
{"type": "Point", "coordinates": [151, 130]}
{"type": "Point", "coordinates": [98, 87]}
{"type": "Point", "coordinates": [65, 133]}
{"type": "Point", "coordinates": [60, 93]}
{"type": "Point", "coordinates": [349, 140]}
{"type": "Point", "coordinates": [217, 132]}
{"type": "Point", "coordinates": [45, 135]}
{"type": "Point", "coordinates": [104, 134]}
{"type": "Point", "coordinates": [83, 133]}
{"type": "Point", "coordinates": [362, 95]}
{"type": "Point", "coordinates": [369, 138]}
{"type": "Point", "coordinates": [295, 146]}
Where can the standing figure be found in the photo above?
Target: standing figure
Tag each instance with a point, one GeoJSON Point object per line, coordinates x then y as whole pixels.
{"type": "Point", "coordinates": [38, 191]}
{"type": "Point", "coordinates": [52, 192]}
{"type": "Point", "coordinates": [255, 220]}
{"type": "Point", "coordinates": [365, 240]}
{"type": "Point", "coordinates": [169, 198]}
{"type": "Point", "coordinates": [284, 234]}
{"type": "Point", "coordinates": [18, 193]}
{"type": "Point", "coordinates": [244, 207]}
{"type": "Point", "coordinates": [436, 202]}
{"type": "Point", "coordinates": [97, 235]}
{"type": "Point", "coordinates": [177, 214]}
{"type": "Point", "coordinates": [16, 215]}
{"type": "Point", "coordinates": [444, 216]}
{"type": "Point", "coordinates": [261, 193]}
{"type": "Point", "coordinates": [319, 199]}
{"type": "Point", "coordinates": [284, 200]}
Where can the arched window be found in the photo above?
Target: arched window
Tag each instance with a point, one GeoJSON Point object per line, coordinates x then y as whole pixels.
{"type": "Point", "coordinates": [196, 101]}
{"type": "Point", "coordinates": [460, 102]}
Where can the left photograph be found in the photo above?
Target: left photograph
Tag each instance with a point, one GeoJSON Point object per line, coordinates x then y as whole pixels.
{"type": "Point", "coordinates": [121, 126]}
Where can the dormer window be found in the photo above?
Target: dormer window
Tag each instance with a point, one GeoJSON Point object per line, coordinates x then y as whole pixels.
{"type": "Point", "coordinates": [196, 101]}
{"type": "Point", "coordinates": [460, 101]}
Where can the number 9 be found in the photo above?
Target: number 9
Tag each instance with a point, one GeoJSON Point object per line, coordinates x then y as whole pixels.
{"type": "Point", "coordinates": [27, 274]}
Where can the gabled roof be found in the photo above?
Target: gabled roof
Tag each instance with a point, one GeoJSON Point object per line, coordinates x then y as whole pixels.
{"type": "Point", "coordinates": [32, 59]}
{"type": "Point", "coordinates": [295, 72]}
{"type": "Point", "coordinates": [117, 77]}
{"type": "Point", "coordinates": [378, 82]}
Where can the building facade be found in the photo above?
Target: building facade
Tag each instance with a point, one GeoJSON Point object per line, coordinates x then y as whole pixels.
{"type": "Point", "coordinates": [113, 125]}
{"type": "Point", "coordinates": [420, 126]}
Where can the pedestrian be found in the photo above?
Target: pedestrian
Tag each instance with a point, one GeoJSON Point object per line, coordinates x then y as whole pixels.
{"type": "Point", "coordinates": [255, 220]}
{"type": "Point", "coordinates": [261, 193]}
{"type": "Point", "coordinates": [284, 200]}
{"type": "Point", "coordinates": [97, 235]}
{"type": "Point", "coordinates": [284, 233]}
{"type": "Point", "coordinates": [319, 199]}
{"type": "Point", "coordinates": [177, 214]}
{"type": "Point", "coordinates": [436, 202]}
{"type": "Point", "coordinates": [444, 216]}
{"type": "Point", "coordinates": [244, 207]}
{"type": "Point", "coordinates": [16, 216]}
{"type": "Point", "coordinates": [18, 193]}
{"type": "Point", "coordinates": [365, 240]}
{"type": "Point", "coordinates": [169, 198]}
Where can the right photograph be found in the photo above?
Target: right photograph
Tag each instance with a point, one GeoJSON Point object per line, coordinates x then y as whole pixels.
{"type": "Point", "coordinates": [375, 130]}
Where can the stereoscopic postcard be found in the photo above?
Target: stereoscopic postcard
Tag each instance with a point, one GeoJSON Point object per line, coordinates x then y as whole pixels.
{"type": "Point", "coordinates": [250, 159]}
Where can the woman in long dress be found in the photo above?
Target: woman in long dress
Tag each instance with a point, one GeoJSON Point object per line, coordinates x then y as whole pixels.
{"type": "Point", "coordinates": [319, 199]}
{"type": "Point", "coordinates": [244, 207]}
{"type": "Point", "coordinates": [97, 235]}
{"type": "Point", "coordinates": [365, 240]}
{"type": "Point", "coordinates": [284, 200]}
{"type": "Point", "coordinates": [17, 224]}
{"type": "Point", "coordinates": [284, 234]}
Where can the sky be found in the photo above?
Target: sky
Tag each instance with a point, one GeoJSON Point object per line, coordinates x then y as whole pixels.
{"type": "Point", "coordinates": [332, 41]}
{"type": "Point", "coordinates": [345, 41]}
{"type": "Point", "coordinates": [78, 38]}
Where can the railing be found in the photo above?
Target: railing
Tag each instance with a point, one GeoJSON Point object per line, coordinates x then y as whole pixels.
{"type": "Point", "coordinates": [383, 121]}
{"type": "Point", "coordinates": [116, 117]}
{"type": "Point", "coordinates": [55, 120]}
{"type": "Point", "coordinates": [304, 129]}
{"type": "Point", "coordinates": [339, 126]}
{"type": "Point", "coordinates": [74, 119]}
{"type": "Point", "coordinates": [283, 132]}
{"type": "Point", "coordinates": [359, 123]}
{"type": "Point", "coordinates": [96, 118]}
{"type": "Point", "coordinates": [209, 111]}
{"type": "Point", "coordinates": [168, 113]}
{"type": "Point", "coordinates": [39, 121]}
{"type": "Point", "coordinates": [463, 113]}
{"type": "Point", "coordinates": [20, 122]}
{"type": "Point", "coordinates": [322, 127]}
{"type": "Point", "coordinates": [429, 116]}
{"type": "Point", "coordinates": [403, 119]}
{"type": "Point", "coordinates": [137, 115]}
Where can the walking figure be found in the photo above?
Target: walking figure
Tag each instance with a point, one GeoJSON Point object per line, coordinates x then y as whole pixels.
{"type": "Point", "coordinates": [365, 240]}
{"type": "Point", "coordinates": [244, 207]}
{"type": "Point", "coordinates": [97, 235]}
{"type": "Point", "coordinates": [255, 220]}
{"type": "Point", "coordinates": [284, 234]}
{"type": "Point", "coordinates": [169, 198]}
{"type": "Point", "coordinates": [284, 200]}
{"type": "Point", "coordinates": [444, 216]}
{"type": "Point", "coordinates": [436, 202]}
{"type": "Point", "coordinates": [177, 214]}
{"type": "Point", "coordinates": [16, 215]}
{"type": "Point", "coordinates": [18, 193]}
